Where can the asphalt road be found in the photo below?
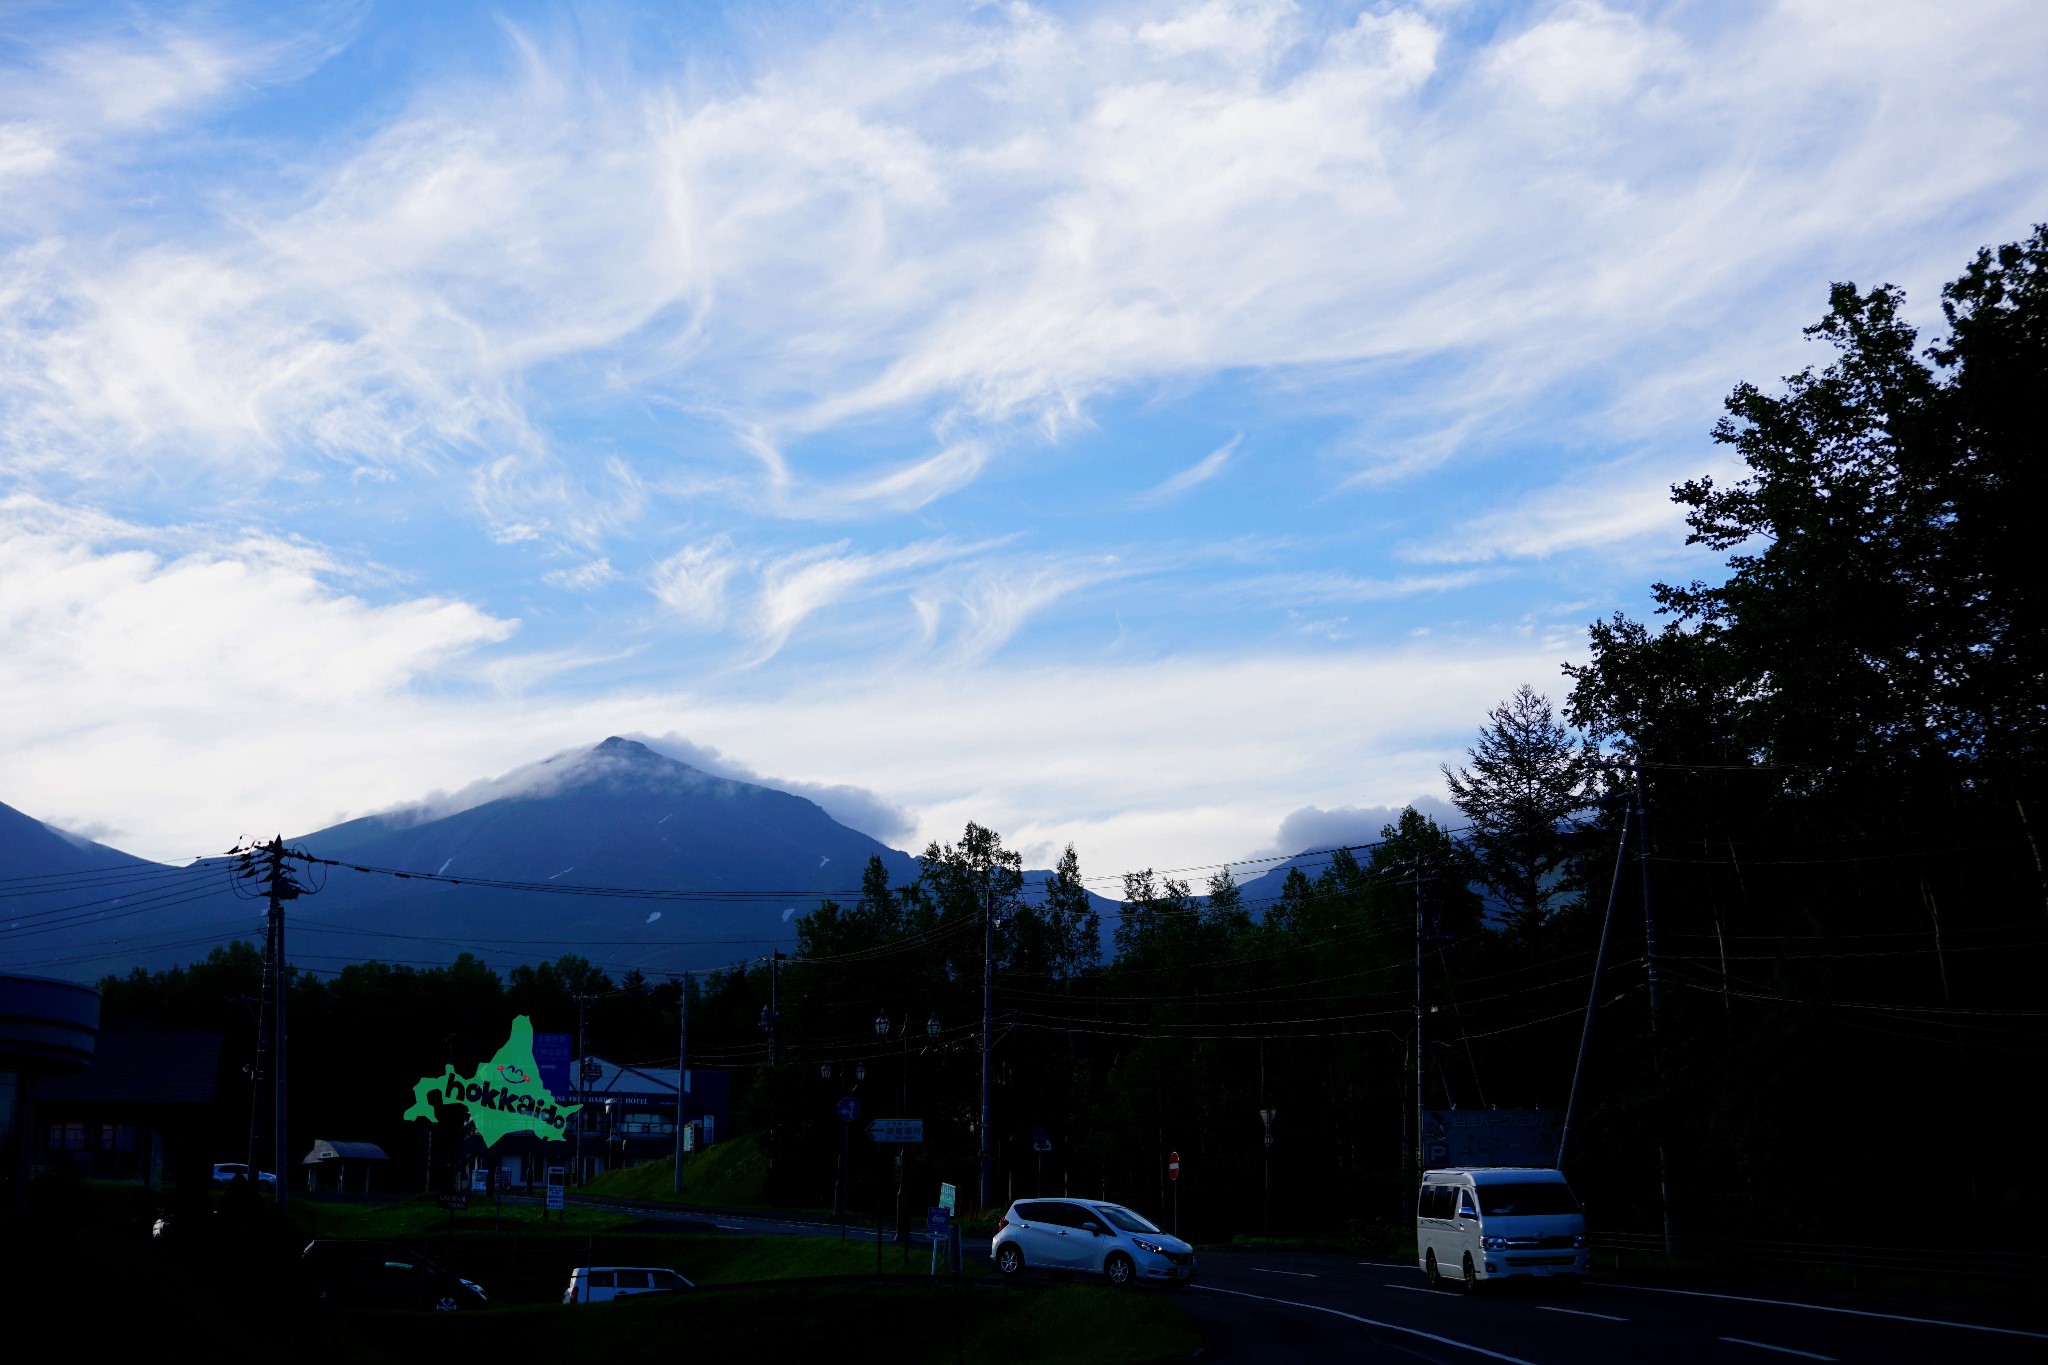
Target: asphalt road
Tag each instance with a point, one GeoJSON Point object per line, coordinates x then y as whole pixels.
{"type": "Point", "coordinates": [1288, 1307]}
{"type": "Point", "coordinates": [1280, 1307]}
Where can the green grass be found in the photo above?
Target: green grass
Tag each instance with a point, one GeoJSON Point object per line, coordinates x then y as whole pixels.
{"type": "Point", "coordinates": [730, 1174]}
{"type": "Point", "coordinates": [420, 1217]}
{"type": "Point", "coordinates": [903, 1323]}
{"type": "Point", "coordinates": [228, 1294]}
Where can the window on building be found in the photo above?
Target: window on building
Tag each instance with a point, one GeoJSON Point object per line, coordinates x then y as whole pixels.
{"type": "Point", "coordinates": [67, 1137]}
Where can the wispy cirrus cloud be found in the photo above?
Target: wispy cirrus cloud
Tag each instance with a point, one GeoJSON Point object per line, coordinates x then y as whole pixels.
{"type": "Point", "coordinates": [1196, 474]}
{"type": "Point", "coordinates": [997, 217]}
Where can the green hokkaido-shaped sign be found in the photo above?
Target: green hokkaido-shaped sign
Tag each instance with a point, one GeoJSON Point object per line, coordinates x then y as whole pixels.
{"type": "Point", "coordinates": [504, 1096]}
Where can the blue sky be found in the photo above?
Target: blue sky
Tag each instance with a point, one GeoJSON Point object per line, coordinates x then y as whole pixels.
{"type": "Point", "coordinates": [1166, 427]}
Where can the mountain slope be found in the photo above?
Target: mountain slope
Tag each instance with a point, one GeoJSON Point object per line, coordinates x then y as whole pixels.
{"type": "Point", "coordinates": [617, 815]}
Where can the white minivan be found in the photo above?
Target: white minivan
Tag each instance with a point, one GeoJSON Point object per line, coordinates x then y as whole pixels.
{"type": "Point", "coordinates": [603, 1283]}
{"type": "Point", "coordinates": [1475, 1223]}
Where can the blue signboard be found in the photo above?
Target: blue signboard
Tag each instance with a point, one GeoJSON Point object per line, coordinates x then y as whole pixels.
{"type": "Point", "coordinates": [1489, 1137]}
{"type": "Point", "coordinates": [849, 1109]}
{"type": "Point", "coordinates": [897, 1130]}
{"type": "Point", "coordinates": [937, 1219]}
{"type": "Point", "coordinates": [552, 1053]}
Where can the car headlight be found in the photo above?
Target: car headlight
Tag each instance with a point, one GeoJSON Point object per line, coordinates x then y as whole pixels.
{"type": "Point", "coordinates": [1153, 1247]}
{"type": "Point", "coordinates": [473, 1287]}
{"type": "Point", "coordinates": [1494, 1243]}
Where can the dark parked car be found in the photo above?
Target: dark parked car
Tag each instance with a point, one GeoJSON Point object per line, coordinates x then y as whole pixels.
{"type": "Point", "coordinates": [381, 1275]}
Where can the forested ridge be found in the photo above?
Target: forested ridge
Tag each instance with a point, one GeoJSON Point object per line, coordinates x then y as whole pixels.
{"type": "Point", "coordinates": [1837, 754]}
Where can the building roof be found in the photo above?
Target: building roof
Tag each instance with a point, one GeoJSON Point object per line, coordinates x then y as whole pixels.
{"type": "Point", "coordinates": [136, 1063]}
{"type": "Point", "coordinates": [326, 1149]}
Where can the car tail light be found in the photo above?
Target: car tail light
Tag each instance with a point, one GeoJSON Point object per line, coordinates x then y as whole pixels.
{"type": "Point", "coordinates": [1002, 1222]}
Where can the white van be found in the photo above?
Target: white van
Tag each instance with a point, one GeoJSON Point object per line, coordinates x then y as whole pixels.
{"type": "Point", "coordinates": [603, 1283]}
{"type": "Point", "coordinates": [1475, 1223]}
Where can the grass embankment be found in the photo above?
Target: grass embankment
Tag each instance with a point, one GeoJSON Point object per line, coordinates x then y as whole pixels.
{"type": "Point", "coordinates": [529, 1261]}
{"type": "Point", "coordinates": [903, 1323]}
{"type": "Point", "coordinates": [227, 1291]}
{"type": "Point", "coordinates": [731, 1174]}
{"type": "Point", "coordinates": [420, 1217]}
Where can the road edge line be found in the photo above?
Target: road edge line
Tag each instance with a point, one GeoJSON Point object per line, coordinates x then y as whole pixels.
{"type": "Point", "coordinates": [1370, 1322]}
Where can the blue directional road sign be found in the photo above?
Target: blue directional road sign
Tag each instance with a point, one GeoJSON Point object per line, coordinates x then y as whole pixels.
{"type": "Point", "coordinates": [849, 1109]}
{"type": "Point", "coordinates": [937, 1219]}
{"type": "Point", "coordinates": [897, 1130]}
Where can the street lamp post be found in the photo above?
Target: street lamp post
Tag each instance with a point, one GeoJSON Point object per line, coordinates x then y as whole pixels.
{"type": "Point", "coordinates": [1266, 1115]}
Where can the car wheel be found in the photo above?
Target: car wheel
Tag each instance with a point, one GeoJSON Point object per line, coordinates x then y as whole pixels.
{"type": "Point", "coordinates": [446, 1304]}
{"type": "Point", "coordinates": [1120, 1269]}
{"type": "Point", "coordinates": [1436, 1277]}
{"type": "Point", "coordinates": [1471, 1275]}
{"type": "Point", "coordinates": [1009, 1260]}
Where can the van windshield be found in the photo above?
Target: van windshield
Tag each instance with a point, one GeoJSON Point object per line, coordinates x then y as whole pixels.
{"type": "Point", "coordinates": [1515, 1201]}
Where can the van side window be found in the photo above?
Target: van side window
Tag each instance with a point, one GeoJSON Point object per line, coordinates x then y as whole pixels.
{"type": "Point", "coordinates": [632, 1279]}
{"type": "Point", "coordinates": [1465, 1204]}
{"type": "Point", "coordinates": [601, 1279]}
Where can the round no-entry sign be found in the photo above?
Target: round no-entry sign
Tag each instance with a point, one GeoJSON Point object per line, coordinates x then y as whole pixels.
{"type": "Point", "coordinates": [1173, 1166]}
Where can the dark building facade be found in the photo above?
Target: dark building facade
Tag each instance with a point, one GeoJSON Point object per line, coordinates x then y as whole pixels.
{"type": "Point", "coordinates": [146, 1110]}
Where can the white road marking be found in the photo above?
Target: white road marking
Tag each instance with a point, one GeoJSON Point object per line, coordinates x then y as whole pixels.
{"type": "Point", "coordinates": [1371, 1322]}
{"type": "Point", "coordinates": [729, 1227]}
{"type": "Point", "coordinates": [1411, 1288]}
{"type": "Point", "coordinates": [1298, 1274]}
{"type": "Point", "coordinates": [1579, 1313]}
{"type": "Point", "coordinates": [1825, 1308]}
{"type": "Point", "coordinates": [1781, 1350]}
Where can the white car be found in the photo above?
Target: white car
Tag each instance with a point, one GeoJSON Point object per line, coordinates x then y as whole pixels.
{"type": "Point", "coordinates": [225, 1171]}
{"type": "Point", "coordinates": [1479, 1223]}
{"type": "Point", "coordinates": [603, 1283]}
{"type": "Point", "coordinates": [1091, 1237]}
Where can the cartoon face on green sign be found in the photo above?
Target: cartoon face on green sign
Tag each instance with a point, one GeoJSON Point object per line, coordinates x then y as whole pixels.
{"type": "Point", "coordinates": [503, 1096]}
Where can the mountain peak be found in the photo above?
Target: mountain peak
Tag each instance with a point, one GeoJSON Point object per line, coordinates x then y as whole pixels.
{"type": "Point", "coordinates": [624, 748]}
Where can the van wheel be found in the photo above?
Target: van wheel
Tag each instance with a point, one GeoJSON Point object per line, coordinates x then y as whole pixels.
{"type": "Point", "coordinates": [1009, 1260]}
{"type": "Point", "coordinates": [1471, 1276]}
{"type": "Point", "coordinates": [1436, 1277]}
{"type": "Point", "coordinates": [1120, 1269]}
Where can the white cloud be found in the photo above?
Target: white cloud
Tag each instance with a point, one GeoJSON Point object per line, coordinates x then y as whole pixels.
{"type": "Point", "coordinates": [1200, 472]}
{"type": "Point", "coordinates": [1598, 510]}
{"type": "Point", "coordinates": [998, 218]}
{"type": "Point", "coordinates": [797, 586]}
{"type": "Point", "coordinates": [192, 694]}
{"type": "Point", "coordinates": [586, 577]}
{"type": "Point", "coordinates": [185, 673]}
{"type": "Point", "coordinates": [1312, 827]}
{"type": "Point", "coordinates": [995, 601]}
{"type": "Point", "coordinates": [691, 582]}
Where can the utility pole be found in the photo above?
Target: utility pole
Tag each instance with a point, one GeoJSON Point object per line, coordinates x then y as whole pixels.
{"type": "Point", "coordinates": [282, 888]}
{"type": "Point", "coordinates": [1650, 962]}
{"type": "Point", "coordinates": [266, 863]}
{"type": "Point", "coordinates": [682, 1068]}
{"type": "Point", "coordinates": [1421, 1053]}
{"type": "Point", "coordinates": [774, 1011]}
{"type": "Point", "coordinates": [582, 1108]}
{"type": "Point", "coordinates": [988, 996]}
{"type": "Point", "coordinates": [1571, 1104]}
